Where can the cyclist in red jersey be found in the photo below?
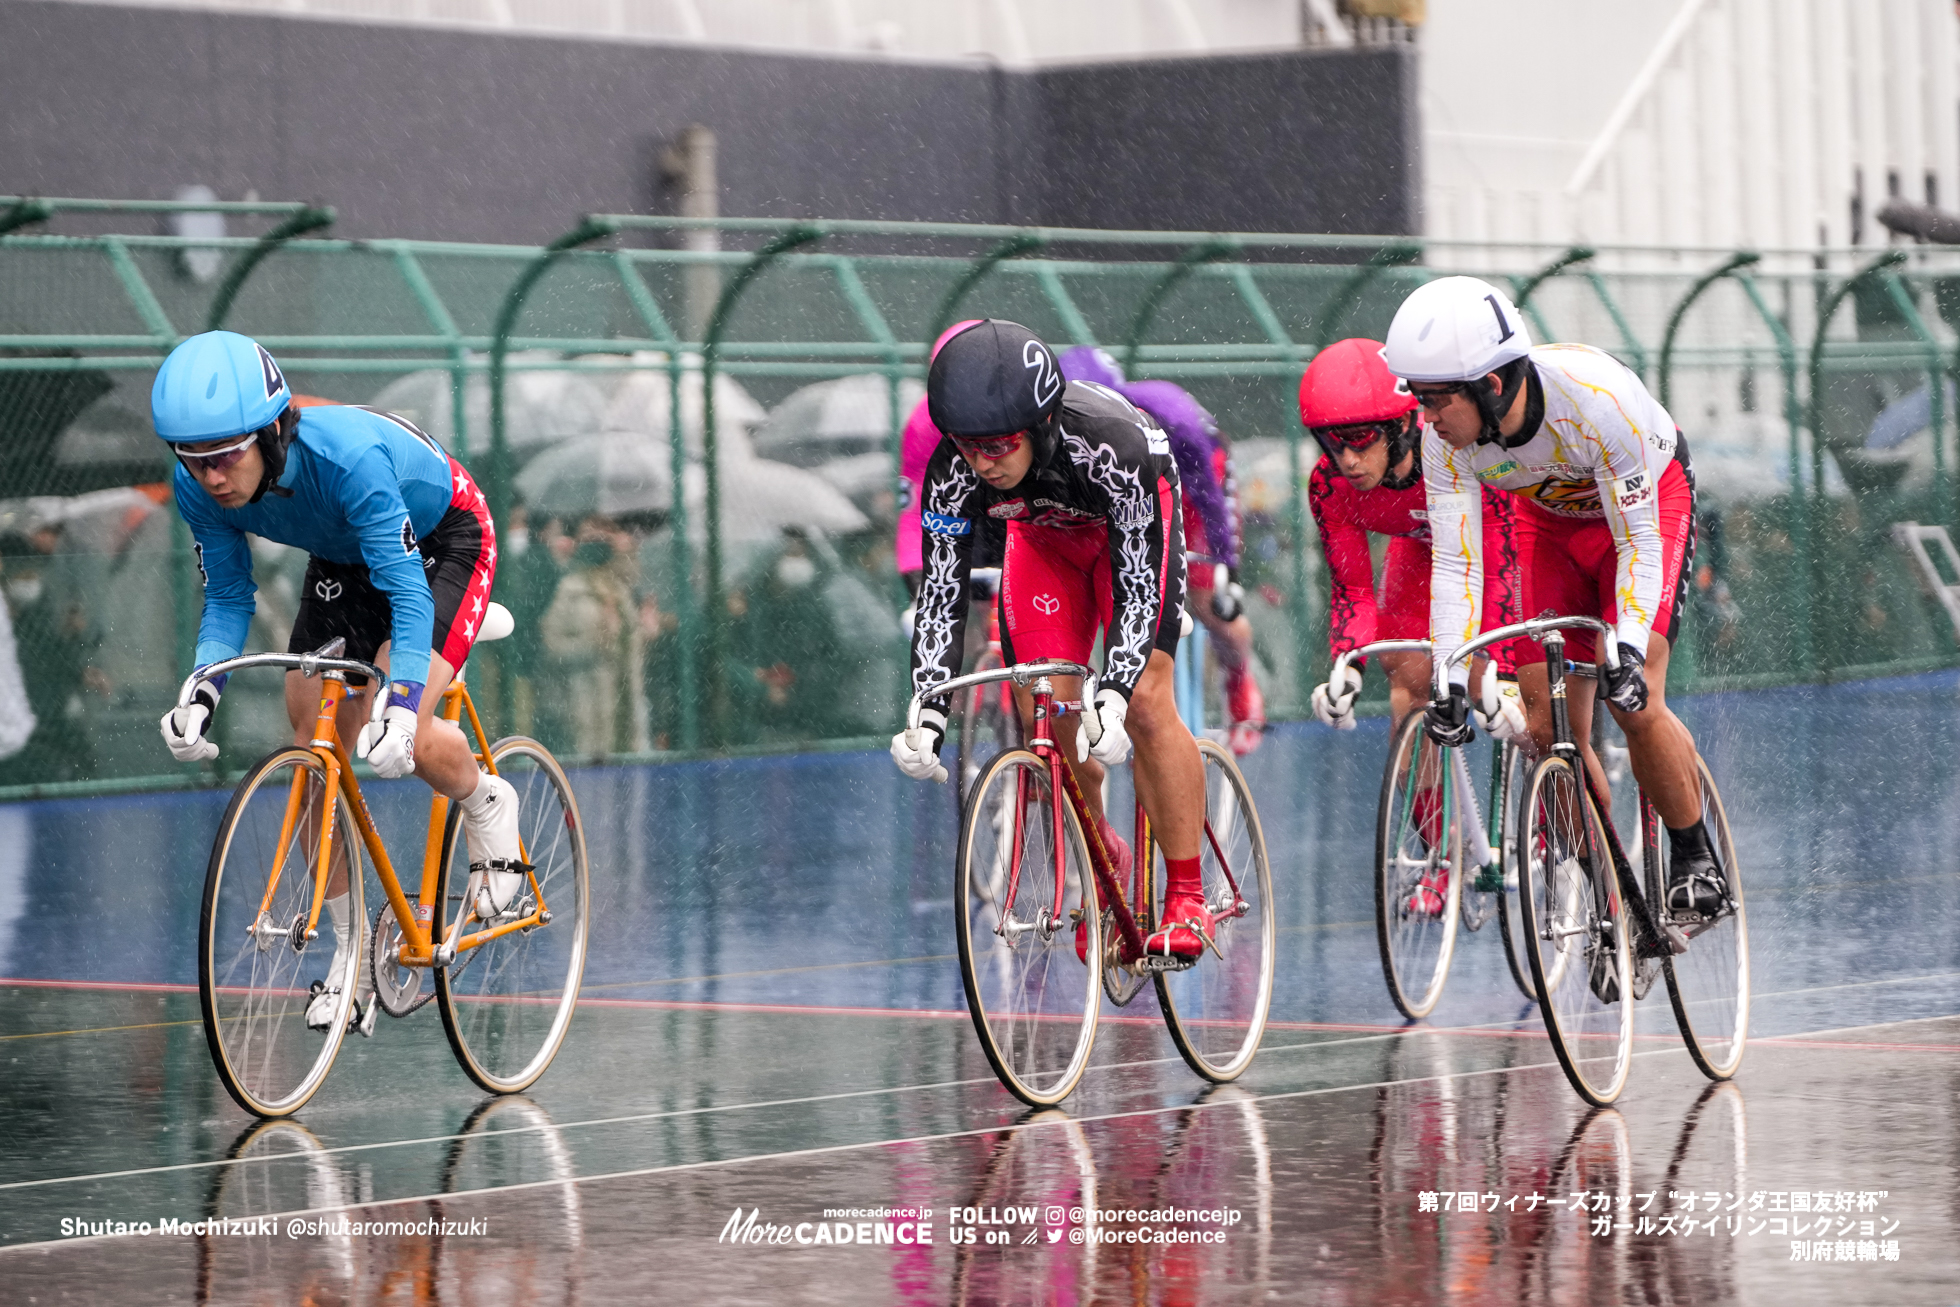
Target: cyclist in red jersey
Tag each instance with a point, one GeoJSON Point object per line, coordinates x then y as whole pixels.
{"type": "Point", "coordinates": [1089, 493]}
{"type": "Point", "coordinates": [1370, 480]}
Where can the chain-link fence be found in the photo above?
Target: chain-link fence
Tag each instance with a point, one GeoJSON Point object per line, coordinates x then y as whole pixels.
{"type": "Point", "coordinates": [691, 451]}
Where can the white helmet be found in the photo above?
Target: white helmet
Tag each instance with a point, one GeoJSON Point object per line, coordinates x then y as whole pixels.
{"type": "Point", "coordinates": [1454, 329]}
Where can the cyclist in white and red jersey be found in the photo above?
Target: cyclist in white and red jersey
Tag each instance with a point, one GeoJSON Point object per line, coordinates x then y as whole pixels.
{"type": "Point", "coordinates": [1087, 488]}
{"type": "Point", "coordinates": [1369, 480]}
{"type": "Point", "coordinates": [1211, 527]}
{"type": "Point", "coordinates": [1605, 528]}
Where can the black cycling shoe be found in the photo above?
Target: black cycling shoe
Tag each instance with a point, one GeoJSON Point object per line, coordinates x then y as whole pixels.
{"type": "Point", "coordinates": [1695, 883]}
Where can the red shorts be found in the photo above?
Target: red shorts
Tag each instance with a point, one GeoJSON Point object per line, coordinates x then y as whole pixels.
{"type": "Point", "coordinates": [1570, 567]}
{"type": "Point", "coordinates": [1055, 593]}
{"type": "Point", "coordinates": [1402, 605]}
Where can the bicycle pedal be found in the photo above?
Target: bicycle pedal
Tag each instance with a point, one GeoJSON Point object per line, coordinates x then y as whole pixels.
{"type": "Point", "coordinates": [364, 1020]}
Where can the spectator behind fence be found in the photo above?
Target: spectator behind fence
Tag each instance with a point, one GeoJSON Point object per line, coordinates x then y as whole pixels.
{"type": "Point", "coordinates": [527, 578]}
{"type": "Point", "coordinates": [589, 689]}
{"type": "Point", "coordinates": [55, 647]}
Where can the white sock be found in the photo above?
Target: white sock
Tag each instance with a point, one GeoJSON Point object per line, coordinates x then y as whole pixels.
{"type": "Point", "coordinates": [490, 820]}
{"type": "Point", "coordinates": [343, 926]}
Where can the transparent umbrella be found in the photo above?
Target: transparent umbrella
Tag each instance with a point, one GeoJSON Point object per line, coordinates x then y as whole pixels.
{"type": "Point", "coordinates": [617, 473]}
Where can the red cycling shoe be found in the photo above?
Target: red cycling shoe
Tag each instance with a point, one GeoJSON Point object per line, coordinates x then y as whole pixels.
{"type": "Point", "coordinates": [1123, 860]}
{"type": "Point", "coordinates": [1432, 894]}
{"type": "Point", "coordinates": [1175, 937]}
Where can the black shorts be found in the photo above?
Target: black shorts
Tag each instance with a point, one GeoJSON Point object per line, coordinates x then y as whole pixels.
{"type": "Point", "coordinates": [339, 599]}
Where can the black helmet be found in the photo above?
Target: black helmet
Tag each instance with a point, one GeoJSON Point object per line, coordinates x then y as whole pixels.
{"type": "Point", "coordinates": [993, 379]}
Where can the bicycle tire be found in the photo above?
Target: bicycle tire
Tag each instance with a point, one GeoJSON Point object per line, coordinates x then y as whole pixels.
{"type": "Point", "coordinates": [1708, 985]}
{"type": "Point", "coordinates": [1510, 920]}
{"type": "Point", "coordinates": [1123, 983]}
{"type": "Point", "coordinates": [1217, 1009]}
{"type": "Point", "coordinates": [274, 1166]}
{"type": "Point", "coordinates": [507, 1004]}
{"type": "Point", "coordinates": [254, 996]}
{"type": "Point", "coordinates": [1418, 854]}
{"type": "Point", "coordinates": [989, 724]}
{"type": "Point", "coordinates": [1033, 1003]}
{"type": "Point", "coordinates": [1575, 918]}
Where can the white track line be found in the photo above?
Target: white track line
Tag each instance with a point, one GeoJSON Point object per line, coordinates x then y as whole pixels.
{"type": "Point", "coordinates": [828, 1149]}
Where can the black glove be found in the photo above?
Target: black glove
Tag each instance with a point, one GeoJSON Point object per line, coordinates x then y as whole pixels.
{"type": "Point", "coordinates": [1447, 721]}
{"type": "Point", "coordinates": [1228, 601]}
{"type": "Point", "coordinates": [1626, 685]}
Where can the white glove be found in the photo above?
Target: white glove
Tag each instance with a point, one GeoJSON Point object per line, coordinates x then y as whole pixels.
{"type": "Point", "coordinates": [1500, 709]}
{"type": "Point", "coordinates": [916, 751]}
{"type": "Point", "coordinates": [183, 728]}
{"type": "Point", "coordinates": [1102, 730]}
{"type": "Point", "coordinates": [389, 744]}
{"type": "Point", "coordinates": [1337, 710]}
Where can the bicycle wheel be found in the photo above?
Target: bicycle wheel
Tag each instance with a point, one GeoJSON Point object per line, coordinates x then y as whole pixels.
{"type": "Point", "coordinates": [1483, 888]}
{"type": "Point", "coordinates": [989, 723]}
{"type": "Point", "coordinates": [507, 1002]}
{"type": "Point", "coordinates": [1574, 917]}
{"type": "Point", "coordinates": [1418, 848]}
{"type": "Point", "coordinates": [1511, 920]}
{"type": "Point", "coordinates": [1216, 1009]}
{"type": "Point", "coordinates": [1032, 1001]}
{"type": "Point", "coordinates": [1120, 982]}
{"type": "Point", "coordinates": [1709, 984]}
{"type": "Point", "coordinates": [256, 970]}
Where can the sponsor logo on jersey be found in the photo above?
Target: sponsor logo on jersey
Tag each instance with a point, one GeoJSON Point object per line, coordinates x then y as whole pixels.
{"type": "Point", "coordinates": [1419, 514]}
{"type": "Point", "coordinates": [1574, 498]}
{"type": "Point", "coordinates": [1154, 439]}
{"type": "Point", "coordinates": [1009, 508]}
{"type": "Point", "coordinates": [1504, 469]}
{"type": "Point", "coordinates": [327, 588]}
{"type": "Point", "coordinates": [1047, 605]}
{"type": "Point", "coordinates": [1633, 491]}
{"type": "Point", "coordinates": [939, 524]}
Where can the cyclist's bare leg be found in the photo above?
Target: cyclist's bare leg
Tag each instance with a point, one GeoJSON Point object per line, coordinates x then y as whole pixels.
{"type": "Point", "coordinates": [1408, 684]}
{"type": "Point", "coordinates": [1232, 639]}
{"type": "Point", "coordinates": [1660, 748]}
{"type": "Point", "coordinates": [1089, 773]}
{"type": "Point", "coordinates": [1170, 774]}
{"type": "Point", "coordinates": [1658, 745]}
{"type": "Point", "coordinates": [1536, 691]}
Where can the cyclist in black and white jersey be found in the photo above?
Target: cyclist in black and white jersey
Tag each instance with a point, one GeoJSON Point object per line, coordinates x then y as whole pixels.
{"type": "Point", "coordinates": [1083, 485]}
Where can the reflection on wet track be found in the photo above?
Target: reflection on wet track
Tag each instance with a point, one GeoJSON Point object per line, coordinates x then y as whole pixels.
{"type": "Point", "coordinates": [773, 1031]}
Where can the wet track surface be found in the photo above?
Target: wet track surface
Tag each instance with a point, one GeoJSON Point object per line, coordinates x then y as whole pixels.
{"type": "Point", "coordinates": [773, 1021]}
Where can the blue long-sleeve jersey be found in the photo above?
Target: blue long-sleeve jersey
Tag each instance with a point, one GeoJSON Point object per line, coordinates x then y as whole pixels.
{"type": "Point", "coordinates": [365, 488]}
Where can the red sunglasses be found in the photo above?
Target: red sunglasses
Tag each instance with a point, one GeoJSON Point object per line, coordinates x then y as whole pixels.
{"type": "Point", "coordinates": [1360, 435]}
{"type": "Point", "coordinates": [988, 447]}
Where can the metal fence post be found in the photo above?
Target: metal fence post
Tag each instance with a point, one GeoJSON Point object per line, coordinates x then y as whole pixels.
{"type": "Point", "coordinates": [499, 481]}
{"type": "Point", "coordinates": [306, 220]}
{"type": "Point", "coordinates": [1825, 312]}
{"type": "Point", "coordinates": [717, 623]}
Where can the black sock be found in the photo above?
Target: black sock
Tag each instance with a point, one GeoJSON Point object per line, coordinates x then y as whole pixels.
{"type": "Point", "coordinates": [1689, 840]}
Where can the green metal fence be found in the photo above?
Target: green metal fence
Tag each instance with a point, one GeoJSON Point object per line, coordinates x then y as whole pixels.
{"type": "Point", "coordinates": [670, 610]}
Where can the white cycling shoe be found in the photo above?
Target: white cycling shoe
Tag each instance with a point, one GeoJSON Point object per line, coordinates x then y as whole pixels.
{"type": "Point", "coordinates": [498, 873]}
{"type": "Point", "coordinates": [327, 993]}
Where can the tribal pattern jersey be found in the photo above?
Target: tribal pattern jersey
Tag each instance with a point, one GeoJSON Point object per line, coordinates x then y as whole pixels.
{"type": "Point", "coordinates": [1107, 469]}
{"type": "Point", "coordinates": [1594, 445]}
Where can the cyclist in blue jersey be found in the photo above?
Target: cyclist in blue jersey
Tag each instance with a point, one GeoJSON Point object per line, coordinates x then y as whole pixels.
{"type": "Point", "coordinates": [402, 556]}
{"type": "Point", "coordinates": [1211, 527]}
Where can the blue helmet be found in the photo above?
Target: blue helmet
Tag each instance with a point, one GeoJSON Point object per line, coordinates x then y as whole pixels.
{"type": "Point", "coordinates": [216, 385]}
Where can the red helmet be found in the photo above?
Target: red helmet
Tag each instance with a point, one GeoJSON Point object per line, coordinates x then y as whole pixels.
{"type": "Point", "coordinates": [1348, 384]}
